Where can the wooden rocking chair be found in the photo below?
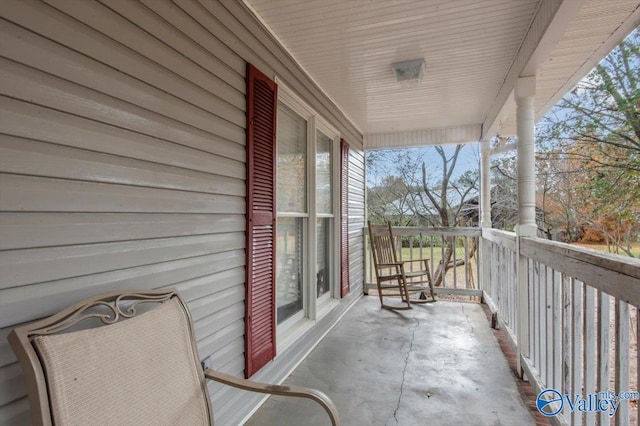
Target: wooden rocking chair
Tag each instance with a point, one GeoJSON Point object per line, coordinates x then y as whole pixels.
{"type": "Point", "coordinates": [392, 277]}
{"type": "Point", "coordinates": [136, 364]}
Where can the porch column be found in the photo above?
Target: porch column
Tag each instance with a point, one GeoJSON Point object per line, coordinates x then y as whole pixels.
{"type": "Point", "coordinates": [485, 185]}
{"type": "Point", "coordinates": [485, 214]}
{"type": "Point", "coordinates": [525, 121]}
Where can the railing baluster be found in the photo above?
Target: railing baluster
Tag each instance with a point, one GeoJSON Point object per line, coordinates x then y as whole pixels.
{"type": "Point", "coordinates": [548, 280]}
{"type": "Point", "coordinates": [589, 348]}
{"type": "Point", "coordinates": [533, 316]}
{"type": "Point", "coordinates": [467, 262]}
{"type": "Point", "coordinates": [498, 285]}
{"type": "Point", "coordinates": [443, 268]}
{"type": "Point", "coordinates": [514, 301]}
{"type": "Point", "coordinates": [420, 247]}
{"type": "Point", "coordinates": [411, 256]}
{"type": "Point", "coordinates": [557, 330]}
{"type": "Point", "coordinates": [567, 341]}
{"type": "Point", "coordinates": [455, 262]}
{"type": "Point", "coordinates": [622, 359]}
{"type": "Point", "coordinates": [604, 345]}
{"type": "Point", "coordinates": [433, 271]}
{"type": "Point", "coordinates": [576, 347]}
{"type": "Point", "coordinates": [477, 257]}
{"type": "Point", "coordinates": [542, 312]}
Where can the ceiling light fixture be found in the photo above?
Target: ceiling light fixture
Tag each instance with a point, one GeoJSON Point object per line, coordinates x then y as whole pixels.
{"type": "Point", "coordinates": [409, 73]}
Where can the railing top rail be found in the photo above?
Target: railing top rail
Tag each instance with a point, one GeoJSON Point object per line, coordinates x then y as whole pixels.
{"type": "Point", "coordinates": [505, 238]}
{"type": "Point", "coordinates": [499, 233]}
{"type": "Point", "coordinates": [459, 231]}
{"type": "Point", "coordinates": [615, 275]}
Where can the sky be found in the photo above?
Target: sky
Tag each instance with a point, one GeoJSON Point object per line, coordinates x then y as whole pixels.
{"type": "Point", "coordinates": [468, 159]}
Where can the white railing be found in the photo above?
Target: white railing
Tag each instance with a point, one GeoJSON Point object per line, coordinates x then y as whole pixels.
{"type": "Point", "coordinates": [580, 329]}
{"type": "Point", "coordinates": [498, 269]}
{"type": "Point", "coordinates": [457, 246]}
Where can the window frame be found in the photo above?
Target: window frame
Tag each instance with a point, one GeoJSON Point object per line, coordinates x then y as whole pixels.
{"type": "Point", "coordinates": [313, 307]}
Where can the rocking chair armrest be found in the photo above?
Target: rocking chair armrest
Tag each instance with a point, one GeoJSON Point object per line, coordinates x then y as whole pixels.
{"type": "Point", "coordinates": [293, 391]}
{"type": "Point", "coordinates": [388, 265]}
{"type": "Point", "coordinates": [426, 259]}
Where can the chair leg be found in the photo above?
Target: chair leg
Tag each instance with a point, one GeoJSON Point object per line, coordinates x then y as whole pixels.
{"type": "Point", "coordinates": [433, 296]}
{"type": "Point", "coordinates": [402, 284]}
{"type": "Point", "coordinates": [380, 296]}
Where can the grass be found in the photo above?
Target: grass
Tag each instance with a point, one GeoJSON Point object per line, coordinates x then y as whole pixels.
{"type": "Point", "coordinates": [414, 253]}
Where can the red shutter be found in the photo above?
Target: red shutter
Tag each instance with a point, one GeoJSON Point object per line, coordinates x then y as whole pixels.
{"type": "Point", "coordinates": [260, 319]}
{"type": "Point", "coordinates": [344, 215]}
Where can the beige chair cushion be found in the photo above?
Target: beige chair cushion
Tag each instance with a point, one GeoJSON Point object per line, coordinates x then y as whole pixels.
{"type": "Point", "coordinates": [141, 371]}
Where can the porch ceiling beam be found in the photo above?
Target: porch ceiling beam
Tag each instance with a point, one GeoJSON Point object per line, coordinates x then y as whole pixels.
{"type": "Point", "coordinates": [414, 138]}
{"type": "Point", "coordinates": [547, 27]}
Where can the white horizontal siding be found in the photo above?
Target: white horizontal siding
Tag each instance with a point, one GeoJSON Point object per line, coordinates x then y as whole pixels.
{"type": "Point", "coordinates": [61, 195]}
{"type": "Point", "coordinates": [122, 164]}
{"type": "Point", "coordinates": [27, 266]}
{"type": "Point", "coordinates": [24, 230]}
{"type": "Point", "coordinates": [121, 167]}
{"type": "Point", "coordinates": [30, 121]}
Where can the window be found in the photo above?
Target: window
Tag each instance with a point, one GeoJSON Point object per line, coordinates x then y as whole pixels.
{"type": "Point", "coordinates": [306, 243]}
{"type": "Point", "coordinates": [324, 211]}
{"type": "Point", "coordinates": [291, 193]}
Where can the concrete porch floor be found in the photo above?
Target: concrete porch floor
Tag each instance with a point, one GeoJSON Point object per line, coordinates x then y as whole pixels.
{"type": "Point", "coordinates": [437, 364]}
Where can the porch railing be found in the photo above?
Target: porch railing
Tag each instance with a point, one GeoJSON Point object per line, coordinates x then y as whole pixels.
{"type": "Point", "coordinates": [452, 254]}
{"type": "Point", "coordinates": [579, 331]}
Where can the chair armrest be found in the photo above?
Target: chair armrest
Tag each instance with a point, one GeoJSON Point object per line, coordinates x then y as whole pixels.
{"type": "Point", "coordinates": [293, 391]}
{"type": "Point", "coordinates": [417, 260]}
{"type": "Point", "coordinates": [425, 261]}
{"type": "Point", "coordinates": [388, 265]}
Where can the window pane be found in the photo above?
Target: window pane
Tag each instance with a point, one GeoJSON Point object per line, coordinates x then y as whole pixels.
{"type": "Point", "coordinates": [323, 263]}
{"type": "Point", "coordinates": [289, 268]}
{"type": "Point", "coordinates": [292, 161]}
{"type": "Point", "coordinates": [323, 174]}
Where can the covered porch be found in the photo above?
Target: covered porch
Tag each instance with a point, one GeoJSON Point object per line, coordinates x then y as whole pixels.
{"type": "Point", "coordinates": [124, 165]}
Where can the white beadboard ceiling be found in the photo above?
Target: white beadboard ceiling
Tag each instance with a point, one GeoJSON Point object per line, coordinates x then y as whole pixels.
{"type": "Point", "coordinates": [474, 50]}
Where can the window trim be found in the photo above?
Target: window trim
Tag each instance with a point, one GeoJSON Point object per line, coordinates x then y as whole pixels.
{"type": "Point", "coordinates": [313, 307]}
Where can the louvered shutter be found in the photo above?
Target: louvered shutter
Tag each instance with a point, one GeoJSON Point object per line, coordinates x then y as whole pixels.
{"type": "Point", "coordinates": [344, 218]}
{"type": "Point", "coordinates": [260, 319]}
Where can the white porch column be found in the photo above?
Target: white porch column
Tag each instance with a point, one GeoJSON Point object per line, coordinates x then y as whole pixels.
{"type": "Point", "coordinates": [485, 213]}
{"type": "Point", "coordinates": [525, 120]}
{"type": "Point", "coordinates": [485, 185]}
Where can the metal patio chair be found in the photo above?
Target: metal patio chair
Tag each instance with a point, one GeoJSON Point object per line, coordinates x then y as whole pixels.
{"type": "Point", "coordinates": [392, 276]}
{"type": "Point", "coordinates": [125, 358]}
